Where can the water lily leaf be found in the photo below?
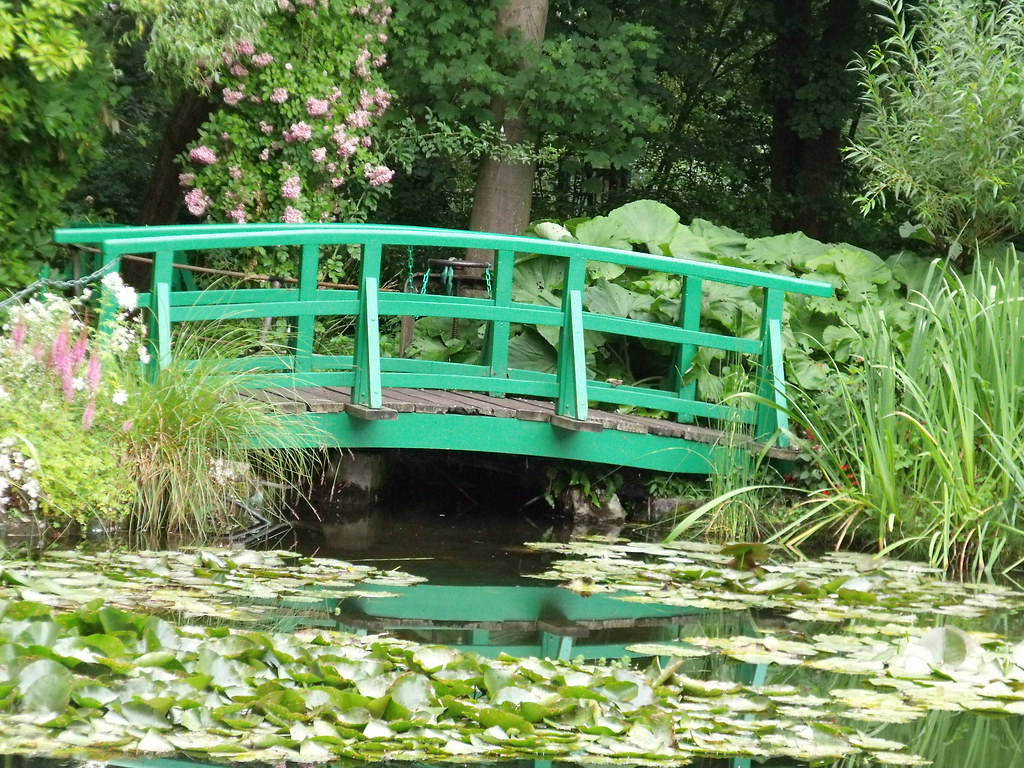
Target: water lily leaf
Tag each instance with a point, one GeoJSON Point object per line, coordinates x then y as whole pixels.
{"type": "Point", "coordinates": [154, 742]}
{"type": "Point", "coordinates": [666, 649]}
{"type": "Point", "coordinates": [433, 657]}
{"type": "Point", "coordinates": [507, 721]}
{"type": "Point", "coordinates": [143, 715]}
{"type": "Point", "coordinates": [44, 686]}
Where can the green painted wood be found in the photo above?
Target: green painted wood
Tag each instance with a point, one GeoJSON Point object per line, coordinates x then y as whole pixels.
{"type": "Point", "coordinates": [771, 409]}
{"type": "Point", "coordinates": [246, 236]}
{"type": "Point", "coordinates": [368, 373]}
{"type": "Point", "coordinates": [572, 365]}
{"type": "Point", "coordinates": [690, 301]}
{"type": "Point", "coordinates": [308, 272]}
{"type": "Point", "coordinates": [164, 353]}
{"type": "Point", "coordinates": [496, 342]}
{"type": "Point", "coordinates": [367, 388]}
{"type": "Point", "coordinates": [487, 434]}
{"type": "Point", "coordinates": [624, 326]}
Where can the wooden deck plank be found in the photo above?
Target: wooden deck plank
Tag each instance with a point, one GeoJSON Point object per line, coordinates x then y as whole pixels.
{"type": "Point", "coordinates": [279, 403]}
{"type": "Point", "coordinates": [315, 399]}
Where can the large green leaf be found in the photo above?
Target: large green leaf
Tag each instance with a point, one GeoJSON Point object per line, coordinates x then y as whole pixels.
{"type": "Point", "coordinates": [45, 686]}
{"type": "Point", "coordinates": [649, 222]}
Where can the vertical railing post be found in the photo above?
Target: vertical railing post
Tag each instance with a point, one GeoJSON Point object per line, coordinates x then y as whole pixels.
{"type": "Point", "coordinates": [690, 299]}
{"type": "Point", "coordinates": [309, 269]}
{"type": "Point", "coordinates": [496, 343]}
{"type": "Point", "coordinates": [572, 360]}
{"type": "Point", "coordinates": [772, 420]}
{"type": "Point", "coordinates": [160, 311]}
{"type": "Point", "coordinates": [366, 390]}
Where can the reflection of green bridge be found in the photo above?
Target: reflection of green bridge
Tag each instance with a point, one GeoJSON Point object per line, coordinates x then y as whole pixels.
{"type": "Point", "coordinates": [366, 399]}
{"type": "Point", "coordinates": [542, 621]}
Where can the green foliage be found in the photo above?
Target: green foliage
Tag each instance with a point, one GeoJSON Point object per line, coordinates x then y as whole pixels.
{"type": "Point", "coordinates": [186, 37]}
{"type": "Point", "coordinates": [294, 139]}
{"type": "Point", "coordinates": [921, 448]}
{"type": "Point", "coordinates": [817, 330]}
{"type": "Point", "coordinates": [63, 406]}
{"type": "Point", "coordinates": [85, 433]}
{"type": "Point", "coordinates": [943, 130]}
{"type": "Point", "coordinates": [56, 91]}
{"type": "Point", "coordinates": [583, 96]}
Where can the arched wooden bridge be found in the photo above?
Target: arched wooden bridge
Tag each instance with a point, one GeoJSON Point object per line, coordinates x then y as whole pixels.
{"type": "Point", "coordinates": [372, 397]}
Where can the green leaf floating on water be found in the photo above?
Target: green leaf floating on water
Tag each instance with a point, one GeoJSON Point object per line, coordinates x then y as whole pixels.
{"type": "Point", "coordinates": [44, 686]}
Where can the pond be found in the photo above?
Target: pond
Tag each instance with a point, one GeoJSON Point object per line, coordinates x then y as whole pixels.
{"type": "Point", "coordinates": [655, 655]}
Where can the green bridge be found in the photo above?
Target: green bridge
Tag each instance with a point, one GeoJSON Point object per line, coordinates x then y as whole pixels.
{"type": "Point", "coordinates": [373, 397]}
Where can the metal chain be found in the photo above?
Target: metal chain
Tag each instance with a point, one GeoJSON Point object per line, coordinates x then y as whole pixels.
{"type": "Point", "coordinates": [45, 282]}
{"type": "Point", "coordinates": [487, 281]}
{"type": "Point", "coordinates": [448, 279]}
{"type": "Point", "coordinates": [426, 279]}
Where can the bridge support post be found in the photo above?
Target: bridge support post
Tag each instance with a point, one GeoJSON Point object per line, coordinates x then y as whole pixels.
{"type": "Point", "coordinates": [572, 362]}
{"type": "Point", "coordinates": [772, 419]}
{"type": "Point", "coordinates": [366, 390]}
{"type": "Point", "coordinates": [689, 319]}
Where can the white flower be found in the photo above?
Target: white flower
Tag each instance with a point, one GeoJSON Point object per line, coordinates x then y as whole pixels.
{"type": "Point", "coordinates": [4, 394]}
{"type": "Point", "coordinates": [143, 355]}
{"type": "Point", "coordinates": [120, 397]}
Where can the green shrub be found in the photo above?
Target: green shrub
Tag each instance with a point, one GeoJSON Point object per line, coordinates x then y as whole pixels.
{"type": "Point", "coordinates": [942, 128]}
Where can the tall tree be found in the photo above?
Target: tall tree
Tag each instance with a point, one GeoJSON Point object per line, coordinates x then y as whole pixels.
{"type": "Point", "coordinates": [522, 74]}
{"type": "Point", "coordinates": [504, 188]}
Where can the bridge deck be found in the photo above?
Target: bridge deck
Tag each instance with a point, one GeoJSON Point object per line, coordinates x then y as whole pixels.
{"type": "Point", "coordinates": [397, 401]}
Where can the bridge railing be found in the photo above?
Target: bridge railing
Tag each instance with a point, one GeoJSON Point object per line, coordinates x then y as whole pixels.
{"type": "Point", "coordinates": [368, 372]}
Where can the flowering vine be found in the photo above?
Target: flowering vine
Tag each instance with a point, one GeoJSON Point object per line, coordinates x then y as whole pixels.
{"type": "Point", "coordinates": [293, 138]}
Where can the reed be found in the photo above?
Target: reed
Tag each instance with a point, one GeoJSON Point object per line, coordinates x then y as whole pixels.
{"type": "Point", "coordinates": [921, 449]}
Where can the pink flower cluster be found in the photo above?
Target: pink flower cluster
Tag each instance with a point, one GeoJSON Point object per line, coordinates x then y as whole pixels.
{"type": "Point", "coordinates": [279, 96]}
{"type": "Point", "coordinates": [262, 60]}
{"type": "Point", "coordinates": [203, 155]}
{"type": "Point", "coordinates": [186, 179]}
{"type": "Point", "coordinates": [237, 214]}
{"type": "Point", "coordinates": [347, 145]}
{"type": "Point", "coordinates": [292, 188]}
{"type": "Point", "coordinates": [319, 154]}
{"type": "Point", "coordinates": [360, 118]}
{"type": "Point", "coordinates": [317, 107]}
{"type": "Point", "coordinates": [232, 97]}
{"type": "Point", "coordinates": [298, 132]}
{"type": "Point", "coordinates": [197, 202]}
{"type": "Point", "coordinates": [245, 48]}
{"type": "Point", "coordinates": [292, 216]}
{"type": "Point", "coordinates": [377, 175]}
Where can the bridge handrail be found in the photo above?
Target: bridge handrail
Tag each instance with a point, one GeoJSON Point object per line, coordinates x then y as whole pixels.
{"type": "Point", "coordinates": [367, 374]}
{"type": "Point", "coordinates": [251, 235]}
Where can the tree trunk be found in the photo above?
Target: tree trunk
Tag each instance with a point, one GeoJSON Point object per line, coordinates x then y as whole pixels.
{"type": "Point", "coordinates": [504, 191]}
{"type": "Point", "coordinates": [162, 201]}
{"type": "Point", "coordinates": [805, 166]}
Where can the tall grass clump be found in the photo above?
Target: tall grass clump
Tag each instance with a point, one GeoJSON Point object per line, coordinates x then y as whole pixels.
{"type": "Point", "coordinates": [922, 447]}
{"type": "Point", "coordinates": [191, 447]}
